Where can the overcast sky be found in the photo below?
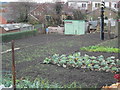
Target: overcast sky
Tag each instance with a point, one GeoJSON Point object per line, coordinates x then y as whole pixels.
{"type": "Point", "coordinates": [29, 0]}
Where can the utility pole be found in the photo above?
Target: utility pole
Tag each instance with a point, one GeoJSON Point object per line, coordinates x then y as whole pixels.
{"type": "Point", "coordinates": [102, 20]}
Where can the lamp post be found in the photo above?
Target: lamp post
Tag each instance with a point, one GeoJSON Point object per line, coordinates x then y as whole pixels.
{"type": "Point", "coordinates": [102, 20]}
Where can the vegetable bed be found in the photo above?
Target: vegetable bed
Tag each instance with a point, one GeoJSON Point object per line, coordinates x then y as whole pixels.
{"type": "Point", "coordinates": [91, 62]}
{"type": "Point", "coordinates": [33, 50]}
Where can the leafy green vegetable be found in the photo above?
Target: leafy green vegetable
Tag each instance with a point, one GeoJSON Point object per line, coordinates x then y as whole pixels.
{"type": "Point", "coordinates": [86, 61]}
{"type": "Point", "coordinates": [96, 66]}
{"type": "Point", "coordinates": [47, 60]}
{"type": "Point", "coordinates": [37, 83]}
{"type": "Point", "coordinates": [101, 49]}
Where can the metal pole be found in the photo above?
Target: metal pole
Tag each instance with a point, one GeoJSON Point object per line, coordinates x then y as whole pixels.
{"type": "Point", "coordinates": [13, 67]}
{"type": "Point", "coordinates": [102, 23]}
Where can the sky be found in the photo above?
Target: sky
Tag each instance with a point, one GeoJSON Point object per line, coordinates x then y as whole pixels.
{"type": "Point", "coordinates": [32, 0]}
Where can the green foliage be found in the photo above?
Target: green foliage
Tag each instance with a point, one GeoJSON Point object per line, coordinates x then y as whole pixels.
{"type": "Point", "coordinates": [21, 10]}
{"type": "Point", "coordinates": [37, 83]}
{"type": "Point", "coordinates": [17, 35]}
{"type": "Point", "coordinates": [58, 8]}
{"type": "Point", "coordinates": [100, 49]}
{"type": "Point", "coordinates": [86, 61]}
{"type": "Point", "coordinates": [118, 16]}
{"type": "Point", "coordinates": [69, 18]}
{"type": "Point", "coordinates": [58, 11]}
{"type": "Point", "coordinates": [33, 22]}
{"type": "Point", "coordinates": [78, 15]}
{"type": "Point", "coordinates": [47, 60]}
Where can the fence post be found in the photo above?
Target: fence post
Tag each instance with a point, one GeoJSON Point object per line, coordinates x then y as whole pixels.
{"type": "Point", "coordinates": [13, 67]}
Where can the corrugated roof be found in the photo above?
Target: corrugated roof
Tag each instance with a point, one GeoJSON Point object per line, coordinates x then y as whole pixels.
{"type": "Point", "coordinates": [15, 26]}
{"type": "Point", "coordinates": [93, 0]}
{"type": "Point", "coordinates": [105, 0]}
{"type": "Point", "coordinates": [77, 0]}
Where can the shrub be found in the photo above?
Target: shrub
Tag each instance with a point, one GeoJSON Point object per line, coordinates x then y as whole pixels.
{"type": "Point", "coordinates": [17, 35]}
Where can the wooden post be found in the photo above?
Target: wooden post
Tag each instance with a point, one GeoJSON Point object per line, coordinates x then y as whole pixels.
{"type": "Point", "coordinates": [13, 67]}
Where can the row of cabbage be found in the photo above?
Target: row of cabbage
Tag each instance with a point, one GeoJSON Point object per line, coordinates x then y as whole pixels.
{"type": "Point", "coordinates": [76, 60]}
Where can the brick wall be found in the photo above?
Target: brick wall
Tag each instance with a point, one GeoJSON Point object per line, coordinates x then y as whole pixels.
{"type": "Point", "coordinates": [3, 20]}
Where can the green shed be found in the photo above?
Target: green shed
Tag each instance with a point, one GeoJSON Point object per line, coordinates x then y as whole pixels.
{"type": "Point", "coordinates": [76, 27]}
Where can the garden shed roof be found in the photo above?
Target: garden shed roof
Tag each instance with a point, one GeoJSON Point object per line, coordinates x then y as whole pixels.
{"type": "Point", "coordinates": [15, 26]}
{"type": "Point", "coordinates": [93, 0]}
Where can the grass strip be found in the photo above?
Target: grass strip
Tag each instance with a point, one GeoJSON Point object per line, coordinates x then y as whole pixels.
{"type": "Point", "coordinates": [101, 49]}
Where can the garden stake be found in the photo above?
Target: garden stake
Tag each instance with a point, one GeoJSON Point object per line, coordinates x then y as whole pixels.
{"type": "Point", "coordinates": [13, 67]}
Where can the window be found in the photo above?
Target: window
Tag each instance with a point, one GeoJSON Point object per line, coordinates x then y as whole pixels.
{"type": "Point", "coordinates": [115, 5]}
{"type": "Point", "coordinates": [97, 4]}
{"type": "Point", "coordinates": [34, 13]}
{"type": "Point", "coordinates": [118, 6]}
{"type": "Point", "coordinates": [83, 5]}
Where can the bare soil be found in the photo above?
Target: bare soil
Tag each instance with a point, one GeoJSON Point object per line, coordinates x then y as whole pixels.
{"type": "Point", "coordinates": [61, 44]}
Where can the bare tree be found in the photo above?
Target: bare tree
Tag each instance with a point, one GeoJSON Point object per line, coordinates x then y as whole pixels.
{"type": "Point", "coordinates": [58, 11]}
{"type": "Point", "coordinates": [21, 10]}
{"type": "Point", "coordinates": [78, 15]}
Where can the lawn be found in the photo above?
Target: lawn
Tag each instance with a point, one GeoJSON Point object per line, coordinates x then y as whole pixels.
{"type": "Point", "coordinates": [33, 51]}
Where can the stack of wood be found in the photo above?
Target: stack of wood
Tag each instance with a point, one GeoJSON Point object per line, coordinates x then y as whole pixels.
{"type": "Point", "coordinates": [112, 87]}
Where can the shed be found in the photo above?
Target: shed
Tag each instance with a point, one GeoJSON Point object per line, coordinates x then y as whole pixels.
{"type": "Point", "coordinates": [16, 27]}
{"type": "Point", "coordinates": [75, 27]}
{"type": "Point", "coordinates": [58, 30]}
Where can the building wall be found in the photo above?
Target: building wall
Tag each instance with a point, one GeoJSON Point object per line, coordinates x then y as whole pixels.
{"type": "Point", "coordinates": [94, 4]}
{"type": "Point", "coordinates": [83, 5]}
{"type": "Point", "coordinates": [108, 13]}
{"type": "Point", "coordinates": [3, 20]}
{"type": "Point", "coordinates": [114, 5]}
{"type": "Point", "coordinates": [27, 28]}
{"type": "Point", "coordinates": [79, 5]}
{"type": "Point", "coordinates": [75, 27]}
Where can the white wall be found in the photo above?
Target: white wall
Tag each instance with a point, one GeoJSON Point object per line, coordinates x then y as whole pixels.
{"type": "Point", "coordinates": [113, 4]}
{"type": "Point", "coordinates": [93, 5]}
{"type": "Point", "coordinates": [78, 5]}
{"type": "Point", "coordinates": [107, 4]}
{"type": "Point", "coordinates": [71, 3]}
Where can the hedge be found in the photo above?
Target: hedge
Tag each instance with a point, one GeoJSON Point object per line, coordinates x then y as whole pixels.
{"type": "Point", "coordinates": [17, 35]}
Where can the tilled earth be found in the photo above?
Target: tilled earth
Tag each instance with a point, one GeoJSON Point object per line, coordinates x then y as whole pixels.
{"type": "Point", "coordinates": [33, 51]}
